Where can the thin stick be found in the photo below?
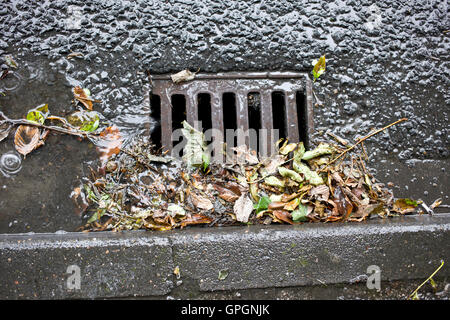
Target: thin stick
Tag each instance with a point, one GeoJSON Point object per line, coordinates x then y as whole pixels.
{"type": "Point", "coordinates": [35, 124]}
{"type": "Point", "coordinates": [363, 139]}
{"type": "Point", "coordinates": [415, 291]}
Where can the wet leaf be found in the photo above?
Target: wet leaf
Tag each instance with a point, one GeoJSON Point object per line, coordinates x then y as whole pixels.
{"type": "Point", "coordinates": [38, 114]}
{"type": "Point", "coordinates": [301, 214]}
{"type": "Point", "coordinates": [176, 272]}
{"type": "Point", "coordinates": [201, 202]}
{"type": "Point", "coordinates": [245, 155]}
{"type": "Point", "coordinates": [195, 148]}
{"type": "Point", "coordinates": [309, 175]}
{"type": "Point", "coordinates": [365, 211]}
{"type": "Point", "coordinates": [262, 204]}
{"type": "Point", "coordinates": [26, 139]}
{"type": "Point", "coordinates": [196, 219]}
{"type": "Point", "coordinates": [5, 128]}
{"type": "Point", "coordinates": [226, 194]}
{"type": "Point", "coordinates": [291, 174]}
{"type": "Point", "coordinates": [223, 274]}
{"type": "Point", "coordinates": [404, 206]}
{"type": "Point", "coordinates": [242, 208]}
{"type": "Point", "coordinates": [84, 120]}
{"type": "Point", "coordinates": [283, 215]}
{"type": "Point", "coordinates": [274, 182]}
{"type": "Point", "coordinates": [183, 76]}
{"type": "Point", "coordinates": [81, 96]}
{"type": "Point", "coordinates": [288, 148]}
{"type": "Point", "coordinates": [321, 192]}
{"type": "Point", "coordinates": [322, 149]}
{"type": "Point", "coordinates": [175, 210]}
{"type": "Point", "coordinates": [343, 204]}
{"type": "Point", "coordinates": [10, 61]}
{"type": "Point", "coordinates": [109, 144]}
{"type": "Point", "coordinates": [319, 67]}
{"type": "Point", "coordinates": [292, 205]}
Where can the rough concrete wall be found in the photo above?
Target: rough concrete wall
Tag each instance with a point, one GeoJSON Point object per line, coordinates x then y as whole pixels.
{"type": "Point", "coordinates": [384, 62]}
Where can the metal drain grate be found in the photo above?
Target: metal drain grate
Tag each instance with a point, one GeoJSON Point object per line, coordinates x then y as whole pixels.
{"type": "Point", "coordinates": [255, 100]}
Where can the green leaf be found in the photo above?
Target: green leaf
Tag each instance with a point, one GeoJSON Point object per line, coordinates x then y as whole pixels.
{"type": "Point", "coordinates": [205, 161]}
{"type": "Point", "coordinates": [223, 274]}
{"type": "Point", "coordinates": [262, 204]}
{"type": "Point", "coordinates": [38, 114]}
{"type": "Point", "coordinates": [10, 61]}
{"type": "Point", "coordinates": [284, 172]}
{"type": "Point", "coordinates": [274, 182]}
{"type": "Point", "coordinates": [319, 68]}
{"type": "Point", "coordinates": [300, 215]}
{"type": "Point", "coordinates": [84, 120]}
{"type": "Point", "coordinates": [322, 149]}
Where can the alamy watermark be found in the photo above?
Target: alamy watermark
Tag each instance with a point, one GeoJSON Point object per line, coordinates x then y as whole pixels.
{"type": "Point", "coordinates": [374, 277]}
{"type": "Point", "coordinates": [74, 278]}
{"type": "Point", "coordinates": [220, 146]}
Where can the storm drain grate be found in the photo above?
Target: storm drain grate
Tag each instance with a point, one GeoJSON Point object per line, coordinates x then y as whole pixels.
{"type": "Point", "coordinates": [262, 101]}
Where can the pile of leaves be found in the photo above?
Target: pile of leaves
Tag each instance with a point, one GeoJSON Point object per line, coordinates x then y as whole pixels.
{"type": "Point", "coordinates": [143, 190]}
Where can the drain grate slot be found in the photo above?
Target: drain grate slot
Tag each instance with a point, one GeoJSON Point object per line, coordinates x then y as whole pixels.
{"type": "Point", "coordinates": [272, 105]}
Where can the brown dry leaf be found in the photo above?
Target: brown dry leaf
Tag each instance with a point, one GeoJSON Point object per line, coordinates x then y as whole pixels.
{"type": "Point", "coordinates": [226, 194]}
{"type": "Point", "coordinates": [109, 144]}
{"type": "Point", "coordinates": [366, 210]}
{"type": "Point", "coordinates": [343, 204]}
{"type": "Point", "coordinates": [201, 202]}
{"type": "Point", "coordinates": [81, 96]}
{"type": "Point", "coordinates": [321, 192]}
{"type": "Point", "coordinates": [283, 215]}
{"type": "Point", "coordinates": [27, 139]}
{"type": "Point", "coordinates": [276, 205]}
{"type": "Point", "coordinates": [292, 205]}
{"type": "Point", "coordinates": [196, 219]}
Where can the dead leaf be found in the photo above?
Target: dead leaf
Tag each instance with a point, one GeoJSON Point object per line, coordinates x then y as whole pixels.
{"type": "Point", "coordinates": [226, 194]}
{"type": "Point", "coordinates": [404, 206]}
{"type": "Point", "coordinates": [81, 96]}
{"type": "Point", "coordinates": [243, 207]}
{"type": "Point", "coordinates": [283, 215]}
{"type": "Point", "coordinates": [321, 192]}
{"type": "Point", "coordinates": [183, 76]}
{"type": "Point", "coordinates": [343, 204]}
{"type": "Point", "coordinates": [196, 219]}
{"type": "Point", "coordinates": [26, 139]}
{"type": "Point", "coordinates": [109, 144]}
{"type": "Point", "coordinates": [201, 202]}
{"type": "Point", "coordinates": [276, 205]}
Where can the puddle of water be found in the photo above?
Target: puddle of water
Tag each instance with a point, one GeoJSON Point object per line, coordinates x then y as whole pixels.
{"type": "Point", "coordinates": [35, 192]}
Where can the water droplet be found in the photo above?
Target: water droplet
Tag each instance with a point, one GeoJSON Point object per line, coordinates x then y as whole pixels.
{"type": "Point", "coordinates": [10, 163]}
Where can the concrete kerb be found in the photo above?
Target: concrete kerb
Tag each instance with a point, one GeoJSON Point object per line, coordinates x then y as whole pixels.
{"type": "Point", "coordinates": [142, 263]}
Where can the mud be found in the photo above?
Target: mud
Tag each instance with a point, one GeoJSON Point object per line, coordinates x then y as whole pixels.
{"type": "Point", "coordinates": [384, 62]}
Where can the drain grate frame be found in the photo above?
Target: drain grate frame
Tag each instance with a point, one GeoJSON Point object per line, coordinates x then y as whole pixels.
{"type": "Point", "coordinates": [295, 89]}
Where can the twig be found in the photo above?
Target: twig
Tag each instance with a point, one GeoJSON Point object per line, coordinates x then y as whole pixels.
{"type": "Point", "coordinates": [414, 294]}
{"type": "Point", "coordinates": [361, 140]}
{"type": "Point", "coordinates": [35, 124]}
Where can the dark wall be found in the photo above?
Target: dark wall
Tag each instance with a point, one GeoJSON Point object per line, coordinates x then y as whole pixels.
{"type": "Point", "coordinates": [384, 62]}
